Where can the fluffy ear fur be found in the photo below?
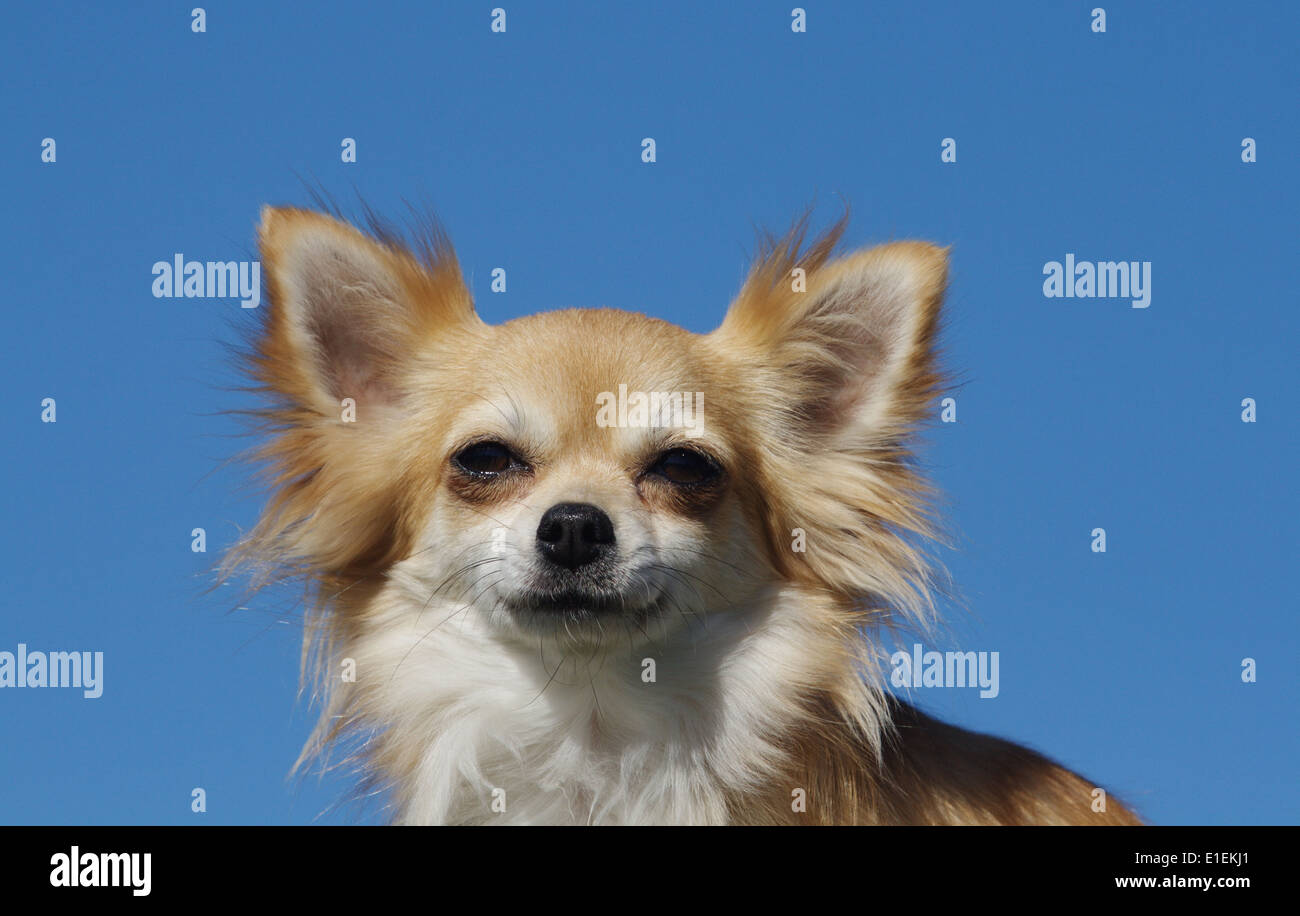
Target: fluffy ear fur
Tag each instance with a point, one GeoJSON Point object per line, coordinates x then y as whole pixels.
{"type": "Point", "coordinates": [838, 372]}
{"type": "Point", "coordinates": [347, 316]}
{"type": "Point", "coordinates": [347, 312]}
{"type": "Point", "coordinates": [856, 347]}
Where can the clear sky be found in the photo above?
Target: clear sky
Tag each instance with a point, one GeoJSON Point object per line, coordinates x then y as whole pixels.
{"type": "Point", "coordinates": [1074, 413]}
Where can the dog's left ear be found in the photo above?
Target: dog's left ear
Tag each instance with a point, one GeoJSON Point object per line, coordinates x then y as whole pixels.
{"type": "Point", "coordinates": [845, 347]}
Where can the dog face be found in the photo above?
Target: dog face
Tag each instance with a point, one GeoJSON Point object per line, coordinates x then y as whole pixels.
{"type": "Point", "coordinates": [592, 475]}
{"type": "Point", "coordinates": [553, 512]}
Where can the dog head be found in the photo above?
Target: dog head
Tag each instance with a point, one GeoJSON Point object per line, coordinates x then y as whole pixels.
{"type": "Point", "coordinates": [590, 475]}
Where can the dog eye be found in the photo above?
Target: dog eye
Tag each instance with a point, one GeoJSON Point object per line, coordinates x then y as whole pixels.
{"type": "Point", "coordinates": [684, 466]}
{"type": "Point", "coordinates": [486, 458]}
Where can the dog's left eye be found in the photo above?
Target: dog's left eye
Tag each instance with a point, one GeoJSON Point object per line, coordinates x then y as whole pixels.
{"type": "Point", "coordinates": [685, 466]}
{"type": "Point", "coordinates": [487, 458]}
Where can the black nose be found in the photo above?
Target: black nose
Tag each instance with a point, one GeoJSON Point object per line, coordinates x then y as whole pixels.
{"type": "Point", "coordinates": [574, 534]}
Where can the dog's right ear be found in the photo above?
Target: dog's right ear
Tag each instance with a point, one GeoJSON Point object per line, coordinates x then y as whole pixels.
{"type": "Point", "coordinates": [348, 313]}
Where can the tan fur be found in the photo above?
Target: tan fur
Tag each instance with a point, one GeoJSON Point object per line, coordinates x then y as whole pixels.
{"type": "Point", "coordinates": [814, 397]}
{"type": "Point", "coordinates": [931, 773]}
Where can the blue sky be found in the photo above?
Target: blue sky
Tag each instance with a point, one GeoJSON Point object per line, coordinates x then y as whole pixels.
{"type": "Point", "coordinates": [1074, 413]}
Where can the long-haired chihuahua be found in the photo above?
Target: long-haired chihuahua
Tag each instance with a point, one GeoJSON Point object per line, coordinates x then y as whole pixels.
{"type": "Point", "coordinates": [586, 567]}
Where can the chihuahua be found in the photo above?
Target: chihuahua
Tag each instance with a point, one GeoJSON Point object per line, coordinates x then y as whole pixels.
{"type": "Point", "coordinates": [587, 567]}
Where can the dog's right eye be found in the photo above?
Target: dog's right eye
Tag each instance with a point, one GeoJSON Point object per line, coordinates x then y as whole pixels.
{"type": "Point", "coordinates": [487, 458]}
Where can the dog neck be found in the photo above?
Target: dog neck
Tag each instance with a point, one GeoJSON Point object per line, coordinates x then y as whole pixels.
{"type": "Point", "coordinates": [469, 726]}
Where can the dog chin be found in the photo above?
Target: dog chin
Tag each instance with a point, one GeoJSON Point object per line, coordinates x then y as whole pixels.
{"type": "Point", "coordinates": [582, 615]}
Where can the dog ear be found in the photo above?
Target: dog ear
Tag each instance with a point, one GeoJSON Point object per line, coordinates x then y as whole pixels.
{"type": "Point", "coordinates": [348, 312]}
{"type": "Point", "coordinates": [846, 346]}
{"type": "Point", "coordinates": [347, 316]}
{"type": "Point", "coordinates": [835, 367]}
